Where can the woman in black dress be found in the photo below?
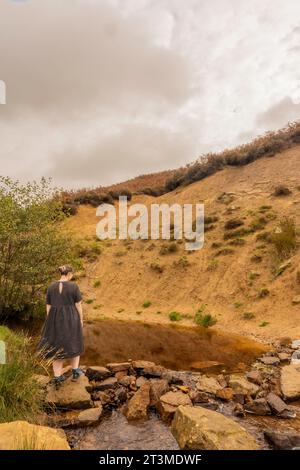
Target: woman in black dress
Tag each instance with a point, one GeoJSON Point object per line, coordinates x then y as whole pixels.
{"type": "Point", "coordinates": [62, 334]}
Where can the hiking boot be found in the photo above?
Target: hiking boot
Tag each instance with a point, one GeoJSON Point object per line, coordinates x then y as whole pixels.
{"type": "Point", "coordinates": [76, 374]}
{"type": "Point", "coordinates": [57, 381]}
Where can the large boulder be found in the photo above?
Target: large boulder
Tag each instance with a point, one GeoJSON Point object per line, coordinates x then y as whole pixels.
{"type": "Point", "coordinates": [202, 429]}
{"type": "Point", "coordinates": [290, 382]}
{"type": "Point", "coordinates": [70, 395]}
{"type": "Point", "coordinates": [138, 405]}
{"type": "Point", "coordinates": [20, 435]}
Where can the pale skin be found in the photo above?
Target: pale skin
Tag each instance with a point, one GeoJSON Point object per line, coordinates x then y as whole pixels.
{"type": "Point", "coordinates": [74, 361]}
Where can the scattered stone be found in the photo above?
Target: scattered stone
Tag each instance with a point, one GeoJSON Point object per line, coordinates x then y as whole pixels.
{"type": "Point", "coordinates": [120, 395]}
{"type": "Point", "coordinates": [199, 428]}
{"type": "Point", "coordinates": [174, 377]}
{"type": "Point", "coordinates": [199, 397]}
{"type": "Point", "coordinates": [225, 394]}
{"type": "Point", "coordinates": [211, 405]}
{"type": "Point", "coordinates": [255, 377]}
{"type": "Point", "coordinates": [140, 365]}
{"type": "Point", "coordinates": [239, 398]}
{"type": "Point", "coordinates": [290, 382]}
{"type": "Point", "coordinates": [270, 360]}
{"type": "Point", "coordinates": [139, 403]}
{"type": "Point", "coordinates": [128, 380]}
{"type": "Point", "coordinates": [285, 341]}
{"type": "Point", "coordinates": [90, 417]}
{"type": "Point", "coordinates": [97, 373]}
{"type": "Point", "coordinates": [222, 381]}
{"type": "Point", "coordinates": [295, 344]}
{"type": "Point", "coordinates": [169, 402]}
{"type": "Point", "coordinates": [296, 300]}
{"type": "Point", "coordinates": [111, 382]}
{"type": "Point", "coordinates": [140, 381]}
{"type": "Point", "coordinates": [152, 371]}
{"type": "Point", "coordinates": [118, 366]}
{"type": "Point", "coordinates": [70, 395]}
{"type": "Point", "coordinates": [283, 440]}
{"type": "Point", "coordinates": [158, 387]}
{"type": "Point", "coordinates": [295, 359]}
{"type": "Point", "coordinates": [240, 385]}
{"type": "Point", "coordinates": [258, 407]}
{"type": "Point", "coordinates": [287, 414]}
{"type": "Point", "coordinates": [20, 435]}
{"type": "Point", "coordinates": [284, 357]}
{"type": "Point", "coordinates": [208, 385]}
{"type": "Point", "coordinates": [277, 405]}
{"type": "Point", "coordinates": [121, 374]}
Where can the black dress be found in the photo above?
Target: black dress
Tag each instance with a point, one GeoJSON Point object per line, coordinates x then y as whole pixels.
{"type": "Point", "coordinates": [62, 335]}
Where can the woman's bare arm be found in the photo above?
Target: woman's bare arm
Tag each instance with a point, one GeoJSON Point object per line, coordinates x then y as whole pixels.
{"type": "Point", "coordinates": [48, 309]}
{"type": "Point", "coordinates": [79, 308]}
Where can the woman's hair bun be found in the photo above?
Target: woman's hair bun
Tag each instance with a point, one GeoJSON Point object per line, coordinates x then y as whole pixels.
{"type": "Point", "coordinates": [65, 269]}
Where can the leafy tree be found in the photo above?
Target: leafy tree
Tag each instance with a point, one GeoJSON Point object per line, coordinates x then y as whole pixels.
{"type": "Point", "coordinates": [32, 244]}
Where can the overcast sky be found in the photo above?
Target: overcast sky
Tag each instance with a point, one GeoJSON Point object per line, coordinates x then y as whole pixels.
{"type": "Point", "coordinates": [99, 91]}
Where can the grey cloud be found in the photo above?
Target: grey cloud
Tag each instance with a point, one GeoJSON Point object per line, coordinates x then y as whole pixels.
{"type": "Point", "coordinates": [279, 114]}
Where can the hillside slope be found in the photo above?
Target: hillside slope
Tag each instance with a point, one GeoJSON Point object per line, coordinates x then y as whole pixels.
{"type": "Point", "coordinates": [233, 282]}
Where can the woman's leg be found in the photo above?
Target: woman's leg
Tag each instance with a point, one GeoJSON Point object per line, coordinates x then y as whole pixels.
{"type": "Point", "coordinates": [75, 362]}
{"type": "Point", "coordinates": [57, 367]}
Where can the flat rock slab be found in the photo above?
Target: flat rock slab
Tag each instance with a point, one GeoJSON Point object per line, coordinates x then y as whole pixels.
{"type": "Point", "coordinates": [242, 386]}
{"type": "Point", "coordinates": [208, 385]}
{"type": "Point", "coordinates": [97, 373]}
{"type": "Point", "coordinates": [202, 429]}
{"type": "Point", "coordinates": [290, 382]}
{"type": "Point", "coordinates": [118, 366]}
{"type": "Point", "coordinates": [90, 417]}
{"type": "Point", "coordinates": [20, 435]}
{"type": "Point", "coordinates": [70, 395]}
{"type": "Point", "coordinates": [106, 384]}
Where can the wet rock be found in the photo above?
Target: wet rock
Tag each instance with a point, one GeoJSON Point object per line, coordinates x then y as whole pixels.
{"type": "Point", "coordinates": [225, 394]}
{"type": "Point", "coordinates": [239, 411]}
{"type": "Point", "coordinates": [284, 357]}
{"type": "Point", "coordinates": [208, 385]}
{"type": "Point", "coordinates": [169, 402]}
{"type": "Point", "coordinates": [19, 435]}
{"type": "Point", "coordinates": [138, 405]}
{"type": "Point", "coordinates": [97, 373]}
{"type": "Point", "coordinates": [242, 386]}
{"type": "Point", "coordinates": [111, 382]}
{"type": "Point", "coordinates": [255, 377]}
{"type": "Point", "coordinates": [277, 405]}
{"type": "Point", "coordinates": [258, 407]}
{"type": "Point", "coordinates": [70, 395]}
{"type": "Point", "coordinates": [158, 387]}
{"type": "Point", "coordinates": [120, 395]}
{"type": "Point", "coordinates": [140, 381]}
{"type": "Point", "coordinates": [118, 366]}
{"type": "Point", "coordinates": [90, 417]}
{"type": "Point", "coordinates": [199, 428]}
{"type": "Point", "coordinates": [270, 360]}
{"type": "Point", "coordinates": [290, 382]}
{"type": "Point", "coordinates": [199, 397]}
{"type": "Point", "coordinates": [283, 440]}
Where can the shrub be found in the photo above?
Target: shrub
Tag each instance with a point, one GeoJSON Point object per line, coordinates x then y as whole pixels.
{"type": "Point", "coordinates": [202, 318]}
{"type": "Point", "coordinates": [248, 315]}
{"type": "Point", "coordinates": [157, 267]}
{"type": "Point", "coordinates": [284, 239]}
{"type": "Point", "coordinates": [97, 283]}
{"type": "Point", "coordinates": [281, 190]}
{"type": "Point", "coordinates": [182, 262]}
{"type": "Point", "coordinates": [264, 209]}
{"type": "Point", "coordinates": [233, 224]}
{"type": "Point", "coordinates": [298, 276]}
{"type": "Point", "coordinates": [264, 292]}
{"type": "Point", "coordinates": [89, 301]}
{"type": "Point", "coordinates": [237, 233]}
{"type": "Point", "coordinates": [264, 323]}
{"type": "Point", "coordinates": [20, 393]}
{"type": "Point", "coordinates": [147, 304]}
{"type": "Point", "coordinates": [224, 252]}
{"type": "Point", "coordinates": [175, 316]}
{"type": "Point", "coordinates": [32, 245]}
{"type": "Point", "coordinates": [237, 242]}
{"type": "Point", "coordinates": [258, 224]}
{"type": "Point", "coordinates": [212, 265]}
{"type": "Point", "coordinates": [166, 249]}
